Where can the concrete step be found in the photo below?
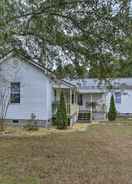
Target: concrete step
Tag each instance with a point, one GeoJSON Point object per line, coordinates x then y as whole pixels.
{"type": "Point", "coordinates": [83, 116]}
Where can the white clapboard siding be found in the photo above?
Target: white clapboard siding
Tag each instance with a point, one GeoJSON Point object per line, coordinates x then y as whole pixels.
{"type": "Point", "coordinates": [36, 90]}
{"type": "Point", "coordinates": [126, 102]}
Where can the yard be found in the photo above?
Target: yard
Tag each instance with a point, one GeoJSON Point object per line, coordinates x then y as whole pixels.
{"type": "Point", "coordinates": [100, 155]}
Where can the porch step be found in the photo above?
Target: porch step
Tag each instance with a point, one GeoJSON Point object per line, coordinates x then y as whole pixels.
{"type": "Point", "coordinates": [84, 116]}
{"type": "Point", "coordinates": [83, 121]}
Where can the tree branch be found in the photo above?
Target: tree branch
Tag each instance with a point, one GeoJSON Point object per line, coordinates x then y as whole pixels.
{"type": "Point", "coordinates": [46, 9]}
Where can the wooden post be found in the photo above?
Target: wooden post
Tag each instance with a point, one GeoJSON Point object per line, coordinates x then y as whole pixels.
{"type": "Point", "coordinates": [91, 108]}
{"type": "Point", "coordinates": [70, 103]}
{"type": "Point", "coordinates": [106, 107]}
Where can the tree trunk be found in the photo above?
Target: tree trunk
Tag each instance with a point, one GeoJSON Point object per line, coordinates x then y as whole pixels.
{"type": "Point", "coordinates": [1, 125]}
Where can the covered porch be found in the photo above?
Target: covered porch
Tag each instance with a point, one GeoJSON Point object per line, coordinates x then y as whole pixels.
{"type": "Point", "coordinates": [71, 101]}
{"type": "Point", "coordinates": [92, 104]}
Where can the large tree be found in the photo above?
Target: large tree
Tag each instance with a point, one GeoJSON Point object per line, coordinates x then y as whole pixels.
{"type": "Point", "coordinates": [81, 33]}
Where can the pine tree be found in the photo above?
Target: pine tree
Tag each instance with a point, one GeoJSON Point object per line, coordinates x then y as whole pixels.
{"type": "Point", "coordinates": [84, 33]}
{"type": "Point", "coordinates": [61, 115]}
{"type": "Point", "coordinates": [112, 110]}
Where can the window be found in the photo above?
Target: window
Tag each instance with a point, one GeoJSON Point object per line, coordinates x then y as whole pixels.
{"type": "Point", "coordinates": [55, 94]}
{"type": "Point", "coordinates": [15, 92]}
{"type": "Point", "coordinates": [15, 121]}
{"type": "Point", "coordinates": [80, 100]}
{"type": "Point", "coordinates": [118, 97]}
{"type": "Point", "coordinates": [72, 97]}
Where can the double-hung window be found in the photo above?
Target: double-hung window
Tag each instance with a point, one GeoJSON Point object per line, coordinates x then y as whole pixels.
{"type": "Point", "coordinates": [15, 93]}
{"type": "Point", "coordinates": [118, 97]}
{"type": "Point", "coordinates": [73, 98]}
{"type": "Point", "coordinates": [80, 100]}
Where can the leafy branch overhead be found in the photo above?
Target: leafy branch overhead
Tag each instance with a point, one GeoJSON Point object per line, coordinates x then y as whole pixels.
{"type": "Point", "coordinates": [81, 34]}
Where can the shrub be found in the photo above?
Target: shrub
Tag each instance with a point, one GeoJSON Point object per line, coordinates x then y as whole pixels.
{"type": "Point", "coordinates": [61, 115]}
{"type": "Point", "coordinates": [2, 125]}
{"type": "Point", "coordinates": [68, 121]}
{"type": "Point", "coordinates": [112, 114]}
{"type": "Point", "coordinates": [54, 121]}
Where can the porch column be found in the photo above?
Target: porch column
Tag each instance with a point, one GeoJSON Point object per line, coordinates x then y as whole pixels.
{"type": "Point", "coordinates": [91, 110]}
{"type": "Point", "coordinates": [70, 102]}
{"type": "Point", "coordinates": [105, 116]}
{"type": "Point", "coordinates": [70, 99]}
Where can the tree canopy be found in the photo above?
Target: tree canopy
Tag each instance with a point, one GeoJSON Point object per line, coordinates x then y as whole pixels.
{"type": "Point", "coordinates": [68, 36]}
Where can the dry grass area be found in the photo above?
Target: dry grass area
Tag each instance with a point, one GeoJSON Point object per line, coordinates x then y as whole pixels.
{"type": "Point", "coordinates": [102, 154]}
{"type": "Point", "coordinates": [21, 132]}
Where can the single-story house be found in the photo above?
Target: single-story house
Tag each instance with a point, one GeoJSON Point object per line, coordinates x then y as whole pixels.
{"type": "Point", "coordinates": [28, 89]}
{"type": "Point", "coordinates": [94, 97]}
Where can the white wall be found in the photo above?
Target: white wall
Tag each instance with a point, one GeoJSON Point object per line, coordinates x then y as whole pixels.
{"type": "Point", "coordinates": [35, 90]}
{"type": "Point", "coordinates": [126, 102]}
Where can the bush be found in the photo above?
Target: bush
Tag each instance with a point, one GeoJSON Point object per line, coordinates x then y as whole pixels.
{"type": "Point", "coordinates": [68, 121]}
{"type": "Point", "coordinates": [54, 121]}
{"type": "Point", "coordinates": [61, 115]}
{"type": "Point", "coordinates": [112, 114]}
{"type": "Point", "coordinates": [2, 125]}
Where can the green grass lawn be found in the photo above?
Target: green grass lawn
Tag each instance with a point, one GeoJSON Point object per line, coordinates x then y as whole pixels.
{"type": "Point", "coordinates": [100, 155]}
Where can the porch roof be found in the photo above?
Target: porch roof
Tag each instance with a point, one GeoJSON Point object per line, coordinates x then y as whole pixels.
{"type": "Point", "coordinates": [92, 91]}
{"type": "Point", "coordinates": [64, 85]}
{"type": "Point", "coordinates": [96, 86]}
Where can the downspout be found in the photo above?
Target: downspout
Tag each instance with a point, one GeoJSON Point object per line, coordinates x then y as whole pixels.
{"type": "Point", "coordinates": [70, 107]}
{"type": "Point", "coordinates": [91, 117]}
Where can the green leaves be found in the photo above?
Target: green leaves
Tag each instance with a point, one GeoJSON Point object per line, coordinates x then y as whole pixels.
{"type": "Point", "coordinates": [112, 110]}
{"type": "Point", "coordinates": [61, 115]}
{"type": "Point", "coordinates": [87, 31]}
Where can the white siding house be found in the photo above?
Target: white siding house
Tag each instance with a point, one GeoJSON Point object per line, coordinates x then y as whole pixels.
{"type": "Point", "coordinates": [28, 89]}
{"type": "Point", "coordinates": [35, 89]}
{"type": "Point", "coordinates": [123, 96]}
{"type": "Point", "coordinates": [93, 92]}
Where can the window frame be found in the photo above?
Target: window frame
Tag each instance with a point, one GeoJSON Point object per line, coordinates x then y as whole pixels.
{"type": "Point", "coordinates": [15, 94]}
{"type": "Point", "coordinates": [73, 97]}
{"type": "Point", "coordinates": [118, 98]}
{"type": "Point", "coordinates": [80, 100]}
